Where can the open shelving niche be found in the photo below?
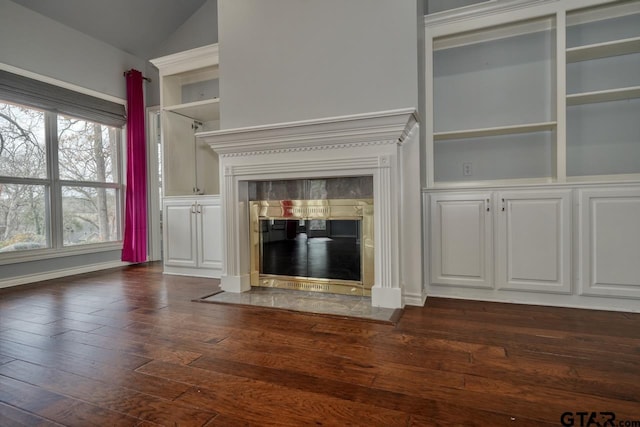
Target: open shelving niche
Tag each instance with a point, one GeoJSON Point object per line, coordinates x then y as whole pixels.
{"type": "Point", "coordinates": [189, 85]}
{"type": "Point", "coordinates": [603, 92]}
{"type": "Point", "coordinates": [477, 80]}
{"type": "Point", "coordinates": [608, 32]}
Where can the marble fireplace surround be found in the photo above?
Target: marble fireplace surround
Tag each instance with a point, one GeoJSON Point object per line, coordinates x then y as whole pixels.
{"type": "Point", "coordinates": [383, 145]}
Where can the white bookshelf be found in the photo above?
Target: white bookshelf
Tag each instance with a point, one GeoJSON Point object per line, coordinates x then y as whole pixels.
{"type": "Point", "coordinates": [572, 100]}
{"type": "Point", "coordinates": [189, 98]}
{"type": "Point", "coordinates": [603, 101]}
{"type": "Point", "coordinates": [493, 94]}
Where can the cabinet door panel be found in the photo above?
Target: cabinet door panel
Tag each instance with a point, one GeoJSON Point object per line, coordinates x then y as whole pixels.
{"type": "Point", "coordinates": [610, 242]}
{"type": "Point", "coordinates": [534, 241]}
{"type": "Point", "coordinates": [180, 234]}
{"type": "Point", "coordinates": [461, 246]}
{"type": "Point", "coordinates": [210, 235]}
{"type": "Point", "coordinates": [179, 155]}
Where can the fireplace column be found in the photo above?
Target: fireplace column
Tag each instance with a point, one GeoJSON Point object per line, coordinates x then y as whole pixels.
{"type": "Point", "coordinates": [235, 220]}
{"type": "Point", "coordinates": [385, 208]}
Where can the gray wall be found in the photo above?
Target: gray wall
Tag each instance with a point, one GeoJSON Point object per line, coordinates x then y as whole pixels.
{"type": "Point", "coordinates": [200, 29]}
{"type": "Point", "coordinates": [288, 60]}
{"type": "Point", "coordinates": [35, 43]}
{"type": "Point", "coordinates": [434, 6]}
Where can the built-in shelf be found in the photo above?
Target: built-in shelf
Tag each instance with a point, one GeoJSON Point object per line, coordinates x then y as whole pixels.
{"type": "Point", "coordinates": [494, 131]}
{"type": "Point", "coordinates": [497, 33]}
{"type": "Point", "coordinates": [604, 96]}
{"type": "Point", "coordinates": [603, 50]}
{"type": "Point", "coordinates": [605, 179]}
{"type": "Point", "coordinates": [202, 111]}
{"type": "Point", "coordinates": [511, 182]}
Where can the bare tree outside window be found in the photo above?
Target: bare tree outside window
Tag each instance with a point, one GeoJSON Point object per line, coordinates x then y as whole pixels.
{"type": "Point", "coordinates": [22, 142]}
{"type": "Point", "coordinates": [86, 152]}
{"type": "Point", "coordinates": [23, 222]}
{"type": "Point", "coordinates": [86, 186]}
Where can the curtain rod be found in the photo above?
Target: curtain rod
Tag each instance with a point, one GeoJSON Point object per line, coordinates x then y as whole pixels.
{"type": "Point", "coordinates": [143, 77]}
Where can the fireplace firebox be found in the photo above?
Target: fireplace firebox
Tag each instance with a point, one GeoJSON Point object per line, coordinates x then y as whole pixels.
{"type": "Point", "coordinates": [313, 245]}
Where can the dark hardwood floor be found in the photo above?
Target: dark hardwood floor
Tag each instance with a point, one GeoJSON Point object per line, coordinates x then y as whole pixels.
{"type": "Point", "coordinates": [128, 347]}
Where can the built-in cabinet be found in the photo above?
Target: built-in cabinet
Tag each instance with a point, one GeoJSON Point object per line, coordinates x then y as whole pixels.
{"type": "Point", "coordinates": [533, 240]}
{"type": "Point", "coordinates": [609, 242]}
{"type": "Point", "coordinates": [513, 240]}
{"type": "Point", "coordinates": [190, 103]}
{"type": "Point", "coordinates": [533, 151]}
{"type": "Point", "coordinates": [193, 233]}
{"type": "Point", "coordinates": [462, 239]}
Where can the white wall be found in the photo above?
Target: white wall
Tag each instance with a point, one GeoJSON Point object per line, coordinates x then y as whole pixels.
{"type": "Point", "coordinates": [35, 43]}
{"type": "Point", "coordinates": [288, 60]}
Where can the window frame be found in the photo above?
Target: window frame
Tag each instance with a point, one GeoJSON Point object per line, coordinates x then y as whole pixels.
{"type": "Point", "coordinates": [53, 196]}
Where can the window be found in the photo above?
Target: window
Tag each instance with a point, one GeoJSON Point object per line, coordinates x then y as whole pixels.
{"type": "Point", "coordinates": [60, 182]}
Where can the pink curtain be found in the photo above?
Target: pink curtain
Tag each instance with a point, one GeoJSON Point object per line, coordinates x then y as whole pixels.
{"type": "Point", "coordinates": [135, 225]}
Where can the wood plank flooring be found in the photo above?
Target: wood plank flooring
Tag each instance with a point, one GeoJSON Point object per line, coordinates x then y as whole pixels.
{"type": "Point", "coordinates": [128, 347]}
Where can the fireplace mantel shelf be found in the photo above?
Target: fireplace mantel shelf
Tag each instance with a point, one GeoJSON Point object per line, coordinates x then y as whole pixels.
{"type": "Point", "coordinates": [383, 145]}
{"type": "Point", "coordinates": [386, 127]}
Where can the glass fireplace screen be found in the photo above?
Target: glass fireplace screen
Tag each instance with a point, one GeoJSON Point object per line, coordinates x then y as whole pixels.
{"type": "Point", "coordinates": [324, 245]}
{"type": "Point", "coordinates": [312, 248]}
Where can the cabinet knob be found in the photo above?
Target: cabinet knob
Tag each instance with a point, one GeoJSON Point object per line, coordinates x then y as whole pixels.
{"type": "Point", "coordinates": [488, 205]}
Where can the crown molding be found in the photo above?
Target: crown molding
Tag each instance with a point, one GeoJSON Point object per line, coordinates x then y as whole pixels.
{"type": "Point", "coordinates": [481, 10]}
{"type": "Point", "coordinates": [187, 60]}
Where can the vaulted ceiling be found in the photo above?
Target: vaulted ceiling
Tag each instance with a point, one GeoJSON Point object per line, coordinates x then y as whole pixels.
{"type": "Point", "coordinates": [134, 26]}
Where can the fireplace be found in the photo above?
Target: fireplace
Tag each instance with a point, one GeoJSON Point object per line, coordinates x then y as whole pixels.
{"type": "Point", "coordinates": [383, 146]}
{"type": "Point", "coordinates": [324, 245]}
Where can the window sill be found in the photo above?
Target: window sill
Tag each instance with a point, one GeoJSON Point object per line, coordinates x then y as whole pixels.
{"type": "Point", "coordinates": [42, 254]}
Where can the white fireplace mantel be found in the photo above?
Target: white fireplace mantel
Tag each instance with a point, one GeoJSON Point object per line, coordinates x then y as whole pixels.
{"type": "Point", "coordinates": [383, 145]}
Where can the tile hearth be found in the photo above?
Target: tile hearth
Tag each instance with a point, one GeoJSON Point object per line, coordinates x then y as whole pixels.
{"type": "Point", "coordinates": [309, 302]}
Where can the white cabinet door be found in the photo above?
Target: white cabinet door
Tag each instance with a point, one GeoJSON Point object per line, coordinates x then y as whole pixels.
{"type": "Point", "coordinates": [533, 241]}
{"type": "Point", "coordinates": [462, 240]}
{"type": "Point", "coordinates": [180, 233]}
{"type": "Point", "coordinates": [178, 171]}
{"type": "Point", "coordinates": [209, 214]}
{"type": "Point", "coordinates": [610, 242]}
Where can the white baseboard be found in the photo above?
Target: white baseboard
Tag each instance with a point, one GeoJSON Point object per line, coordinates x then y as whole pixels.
{"type": "Point", "coordinates": [206, 273]}
{"type": "Point", "coordinates": [568, 301]}
{"type": "Point", "coordinates": [56, 274]}
{"type": "Point", "coordinates": [415, 299]}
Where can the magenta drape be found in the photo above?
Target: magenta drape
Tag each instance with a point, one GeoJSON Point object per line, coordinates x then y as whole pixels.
{"type": "Point", "coordinates": [135, 225]}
